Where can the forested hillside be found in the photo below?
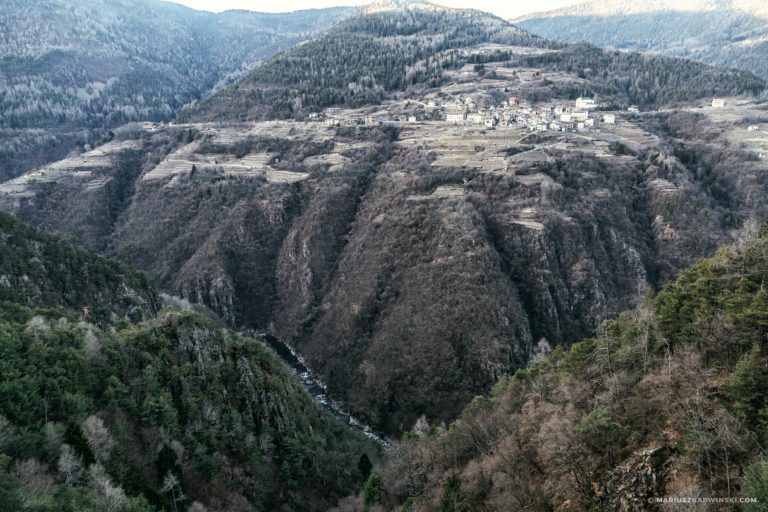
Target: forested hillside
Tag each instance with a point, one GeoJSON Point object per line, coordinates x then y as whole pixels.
{"type": "Point", "coordinates": [71, 70]}
{"type": "Point", "coordinates": [357, 61]}
{"type": "Point", "coordinates": [646, 80]}
{"type": "Point", "coordinates": [375, 54]}
{"type": "Point", "coordinates": [669, 399]}
{"type": "Point", "coordinates": [41, 270]}
{"type": "Point", "coordinates": [729, 33]}
{"type": "Point", "coordinates": [174, 413]}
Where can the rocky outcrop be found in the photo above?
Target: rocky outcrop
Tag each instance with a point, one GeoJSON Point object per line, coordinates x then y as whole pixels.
{"type": "Point", "coordinates": [633, 485]}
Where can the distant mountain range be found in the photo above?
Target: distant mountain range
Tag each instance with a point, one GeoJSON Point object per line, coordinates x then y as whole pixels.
{"type": "Point", "coordinates": [728, 33]}
{"type": "Point", "coordinates": [71, 69]}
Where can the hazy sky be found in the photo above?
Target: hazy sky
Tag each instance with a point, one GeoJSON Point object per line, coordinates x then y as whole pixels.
{"type": "Point", "coordinates": [503, 8]}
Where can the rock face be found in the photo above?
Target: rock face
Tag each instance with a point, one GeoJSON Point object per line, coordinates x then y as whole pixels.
{"type": "Point", "coordinates": [633, 485]}
{"type": "Point", "coordinates": [409, 286]}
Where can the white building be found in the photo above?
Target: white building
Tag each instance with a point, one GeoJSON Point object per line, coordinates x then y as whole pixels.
{"type": "Point", "coordinates": [456, 117]}
{"type": "Point", "coordinates": [475, 118]}
{"type": "Point", "coordinates": [331, 121]}
{"type": "Point", "coordinates": [718, 102]}
{"type": "Point", "coordinates": [633, 109]}
{"type": "Point", "coordinates": [754, 128]}
{"type": "Point", "coordinates": [589, 123]}
{"type": "Point", "coordinates": [609, 119]}
{"type": "Point", "coordinates": [566, 118]}
{"type": "Point", "coordinates": [580, 116]}
{"type": "Point", "coordinates": [585, 103]}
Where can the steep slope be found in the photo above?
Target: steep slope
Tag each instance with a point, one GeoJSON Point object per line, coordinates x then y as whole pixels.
{"type": "Point", "coordinates": [729, 33]}
{"type": "Point", "coordinates": [71, 69]}
{"type": "Point", "coordinates": [668, 400]}
{"type": "Point", "coordinates": [167, 414]}
{"type": "Point", "coordinates": [411, 263]}
{"type": "Point", "coordinates": [40, 270]}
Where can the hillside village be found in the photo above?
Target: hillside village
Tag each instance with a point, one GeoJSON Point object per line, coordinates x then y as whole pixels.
{"type": "Point", "coordinates": [511, 113]}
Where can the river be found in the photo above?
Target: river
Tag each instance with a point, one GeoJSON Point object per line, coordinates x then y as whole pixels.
{"type": "Point", "coordinates": [314, 388]}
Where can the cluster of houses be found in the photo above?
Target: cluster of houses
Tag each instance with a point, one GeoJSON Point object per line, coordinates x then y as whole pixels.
{"type": "Point", "coordinates": [332, 117]}
{"type": "Point", "coordinates": [520, 113]}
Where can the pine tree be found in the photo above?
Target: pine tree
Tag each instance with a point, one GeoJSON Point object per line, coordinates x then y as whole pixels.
{"type": "Point", "coordinates": [74, 437]}
{"type": "Point", "coordinates": [365, 466]}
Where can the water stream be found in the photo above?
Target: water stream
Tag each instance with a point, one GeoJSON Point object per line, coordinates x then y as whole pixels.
{"type": "Point", "coordinates": [315, 388]}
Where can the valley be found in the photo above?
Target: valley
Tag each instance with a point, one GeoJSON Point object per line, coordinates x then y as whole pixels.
{"type": "Point", "coordinates": [512, 273]}
{"type": "Point", "coordinates": [403, 239]}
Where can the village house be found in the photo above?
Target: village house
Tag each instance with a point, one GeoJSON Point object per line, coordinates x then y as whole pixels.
{"type": "Point", "coordinates": [580, 116]}
{"type": "Point", "coordinates": [565, 118]}
{"type": "Point", "coordinates": [589, 123]}
{"type": "Point", "coordinates": [609, 119]}
{"type": "Point", "coordinates": [754, 128]}
{"type": "Point", "coordinates": [718, 102]}
{"type": "Point", "coordinates": [585, 103]}
{"type": "Point", "coordinates": [332, 121]}
{"type": "Point", "coordinates": [633, 109]}
{"type": "Point", "coordinates": [456, 117]}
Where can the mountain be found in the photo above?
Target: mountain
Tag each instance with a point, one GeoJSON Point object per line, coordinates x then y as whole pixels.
{"type": "Point", "coordinates": [410, 261]}
{"type": "Point", "coordinates": [71, 70]}
{"type": "Point", "coordinates": [387, 47]}
{"type": "Point", "coordinates": [668, 399]}
{"type": "Point", "coordinates": [392, 48]}
{"type": "Point", "coordinates": [167, 413]}
{"type": "Point", "coordinates": [724, 33]}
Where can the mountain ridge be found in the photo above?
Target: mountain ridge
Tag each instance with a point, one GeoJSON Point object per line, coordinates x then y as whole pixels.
{"type": "Point", "coordinates": [720, 33]}
{"type": "Point", "coordinates": [74, 70]}
{"type": "Point", "coordinates": [621, 7]}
